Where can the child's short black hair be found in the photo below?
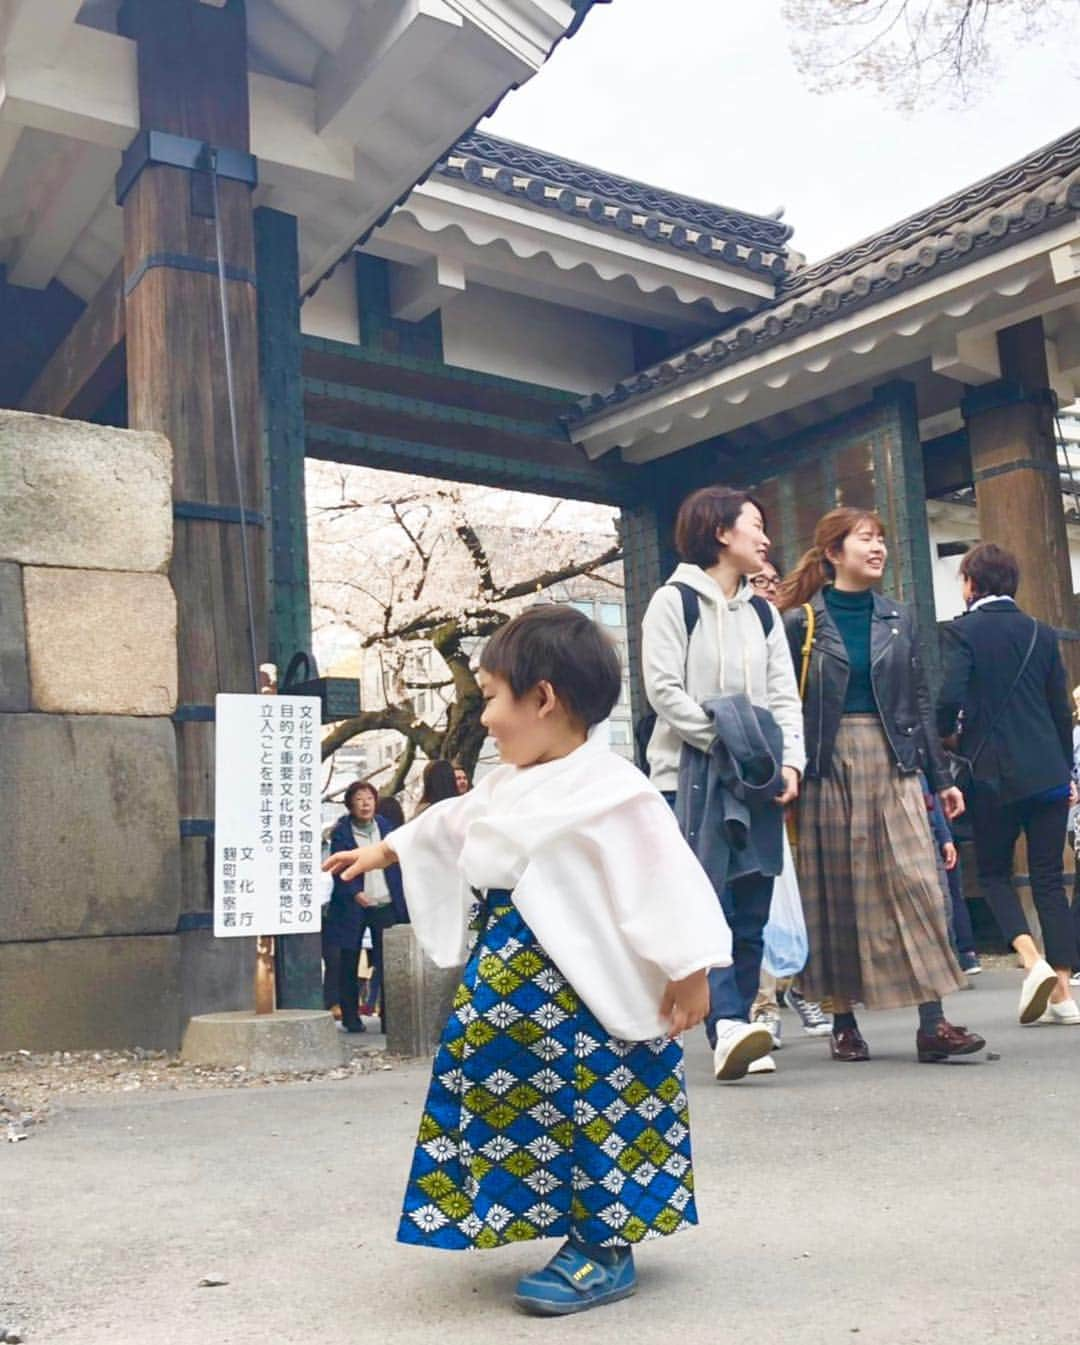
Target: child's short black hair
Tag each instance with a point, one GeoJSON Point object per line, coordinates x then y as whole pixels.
{"type": "Point", "coordinates": [562, 646]}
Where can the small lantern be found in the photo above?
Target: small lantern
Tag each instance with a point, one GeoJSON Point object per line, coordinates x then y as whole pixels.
{"type": "Point", "coordinates": [340, 696]}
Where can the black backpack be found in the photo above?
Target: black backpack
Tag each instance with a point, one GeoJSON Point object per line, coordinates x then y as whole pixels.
{"type": "Point", "coordinates": [691, 607]}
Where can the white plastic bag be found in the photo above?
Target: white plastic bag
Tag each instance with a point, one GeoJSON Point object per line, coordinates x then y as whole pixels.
{"type": "Point", "coordinates": [786, 944]}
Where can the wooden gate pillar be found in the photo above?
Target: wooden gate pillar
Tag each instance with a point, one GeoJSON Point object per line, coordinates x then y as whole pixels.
{"type": "Point", "coordinates": [1017, 482]}
{"type": "Point", "coordinates": [299, 956]}
{"type": "Point", "coordinates": [193, 83]}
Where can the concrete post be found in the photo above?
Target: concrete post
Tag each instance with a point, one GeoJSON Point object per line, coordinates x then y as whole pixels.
{"type": "Point", "coordinates": [419, 995]}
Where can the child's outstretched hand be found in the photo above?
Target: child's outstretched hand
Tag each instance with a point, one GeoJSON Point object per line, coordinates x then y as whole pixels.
{"type": "Point", "coordinates": [349, 864]}
{"type": "Point", "coordinates": [686, 1002]}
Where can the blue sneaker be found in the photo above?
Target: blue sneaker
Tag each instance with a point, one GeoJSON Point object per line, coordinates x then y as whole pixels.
{"type": "Point", "coordinates": [574, 1281]}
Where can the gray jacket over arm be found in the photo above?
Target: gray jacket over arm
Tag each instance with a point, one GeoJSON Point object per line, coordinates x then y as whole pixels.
{"type": "Point", "coordinates": [726, 797]}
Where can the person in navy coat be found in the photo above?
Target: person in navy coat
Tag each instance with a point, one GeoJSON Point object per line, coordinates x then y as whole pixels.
{"type": "Point", "coordinates": [346, 919]}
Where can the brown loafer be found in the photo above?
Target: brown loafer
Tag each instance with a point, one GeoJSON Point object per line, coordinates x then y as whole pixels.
{"type": "Point", "coordinates": [945, 1041]}
{"type": "Point", "coordinates": [848, 1044]}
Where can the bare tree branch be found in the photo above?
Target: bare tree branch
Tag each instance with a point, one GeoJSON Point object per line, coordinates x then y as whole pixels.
{"type": "Point", "coordinates": [401, 718]}
{"type": "Point", "coordinates": [473, 545]}
{"type": "Point", "coordinates": [542, 581]}
{"type": "Point", "coordinates": [402, 767]}
{"type": "Point", "coordinates": [916, 50]}
{"type": "Point", "coordinates": [425, 556]}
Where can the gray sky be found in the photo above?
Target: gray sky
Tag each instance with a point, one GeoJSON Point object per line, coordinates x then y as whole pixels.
{"type": "Point", "coordinates": [702, 96]}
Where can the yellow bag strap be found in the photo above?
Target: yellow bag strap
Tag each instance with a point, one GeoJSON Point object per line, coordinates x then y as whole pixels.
{"type": "Point", "coordinates": [808, 643]}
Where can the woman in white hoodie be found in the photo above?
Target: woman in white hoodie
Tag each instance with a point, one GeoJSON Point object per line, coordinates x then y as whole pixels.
{"type": "Point", "coordinates": [704, 636]}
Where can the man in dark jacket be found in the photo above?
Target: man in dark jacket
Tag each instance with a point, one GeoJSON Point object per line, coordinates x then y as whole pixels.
{"type": "Point", "coordinates": [346, 919]}
{"type": "Point", "coordinates": [1004, 689]}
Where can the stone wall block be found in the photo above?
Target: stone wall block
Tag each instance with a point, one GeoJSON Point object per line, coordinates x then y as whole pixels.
{"type": "Point", "coordinates": [91, 828]}
{"type": "Point", "coordinates": [101, 643]}
{"type": "Point", "coordinates": [14, 672]}
{"type": "Point", "coordinates": [86, 496]}
{"type": "Point", "coordinates": [90, 994]}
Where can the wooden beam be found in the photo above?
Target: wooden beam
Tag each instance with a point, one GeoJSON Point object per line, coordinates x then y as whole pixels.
{"type": "Point", "coordinates": [588, 481]}
{"type": "Point", "coordinates": [429, 381]}
{"type": "Point", "coordinates": [67, 211]}
{"type": "Point", "coordinates": [34, 26]}
{"type": "Point", "coordinates": [417, 291]}
{"type": "Point", "coordinates": [327, 22]}
{"type": "Point", "coordinates": [9, 143]}
{"type": "Point", "coordinates": [385, 44]}
{"type": "Point", "coordinates": [90, 92]}
{"type": "Point", "coordinates": [88, 365]}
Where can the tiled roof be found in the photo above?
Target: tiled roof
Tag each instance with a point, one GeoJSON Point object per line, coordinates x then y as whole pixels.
{"type": "Point", "coordinates": [730, 237]}
{"type": "Point", "coordinates": [1032, 195]}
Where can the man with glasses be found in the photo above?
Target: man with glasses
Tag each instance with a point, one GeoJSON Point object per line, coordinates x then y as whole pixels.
{"type": "Point", "coordinates": [766, 581]}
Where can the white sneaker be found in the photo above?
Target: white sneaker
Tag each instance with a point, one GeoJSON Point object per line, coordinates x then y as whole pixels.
{"type": "Point", "coordinates": [1036, 991]}
{"type": "Point", "coordinates": [738, 1045]}
{"type": "Point", "coordinates": [764, 1064]}
{"type": "Point", "coordinates": [1074, 979]}
{"type": "Point", "coordinates": [771, 1019]}
{"type": "Point", "coordinates": [1067, 1013]}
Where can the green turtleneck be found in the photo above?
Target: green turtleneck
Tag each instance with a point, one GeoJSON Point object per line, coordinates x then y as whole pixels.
{"type": "Point", "coordinates": [852, 613]}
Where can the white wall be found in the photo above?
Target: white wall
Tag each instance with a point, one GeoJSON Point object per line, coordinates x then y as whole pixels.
{"type": "Point", "coordinates": [499, 333]}
{"type": "Point", "coordinates": [959, 523]}
{"type": "Point", "coordinates": [331, 310]}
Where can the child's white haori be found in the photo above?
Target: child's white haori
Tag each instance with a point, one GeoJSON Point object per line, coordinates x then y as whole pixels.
{"type": "Point", "coordinates": [598, 869]}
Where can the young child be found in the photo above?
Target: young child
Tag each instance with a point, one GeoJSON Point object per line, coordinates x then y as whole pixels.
{"type": "Point", "coordinates": [557, 1104]}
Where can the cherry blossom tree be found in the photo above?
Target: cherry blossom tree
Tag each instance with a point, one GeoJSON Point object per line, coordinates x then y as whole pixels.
{"type": "Point", "coordinates": [418, 573]}
{"type": "Point", "coordinates": [918, 51]}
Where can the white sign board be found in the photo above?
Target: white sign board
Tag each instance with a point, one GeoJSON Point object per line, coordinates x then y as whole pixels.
{"type": "Point", "coordinates": [266, 816]}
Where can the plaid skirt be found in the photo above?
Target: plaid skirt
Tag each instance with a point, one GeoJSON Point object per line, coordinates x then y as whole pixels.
{"type": "Point", "coordinates": [875, 910]}
{"type": "Point", "coordinates": [537, 1122]}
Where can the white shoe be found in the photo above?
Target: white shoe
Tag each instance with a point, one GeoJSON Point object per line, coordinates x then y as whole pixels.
{"type": "Point", "coordinates": [764, 1064]}
{"type": "Point", "coordinates": [1067, 1013]}
{"type": "Point", "coordinates": [738, 1045]}
{"type": "Point", "coordinates": [1035, 993]}
{"type": "Point", "coordinates": [1074, 979]}
{"type": "Point", "coordinates": [771, 1019]}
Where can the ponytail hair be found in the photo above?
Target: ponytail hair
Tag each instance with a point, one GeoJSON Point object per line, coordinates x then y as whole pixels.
{"type": "Point", "coordinates": [815, 569]}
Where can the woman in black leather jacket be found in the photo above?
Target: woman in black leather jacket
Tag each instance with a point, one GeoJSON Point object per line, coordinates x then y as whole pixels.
{"type": "Point", "coordinates": [875, 914]}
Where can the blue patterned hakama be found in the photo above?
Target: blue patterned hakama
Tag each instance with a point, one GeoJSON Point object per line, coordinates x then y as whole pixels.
{"type": "Point", "coordinates": [537, 1122]}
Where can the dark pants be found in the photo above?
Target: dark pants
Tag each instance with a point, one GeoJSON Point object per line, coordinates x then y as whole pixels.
{"type": "Point", "coordinates": [1076, 920]}
{"type": "Point", "coordinates": [996, 829]}
{"type": "Point", "coordinates": [341, 985]}
{"type": "Point", "coordinates": [962, 931]}
{"type": "Point", "coordinates": [340, 982]}
{"type": "Point", "coordinates": [732, 990]}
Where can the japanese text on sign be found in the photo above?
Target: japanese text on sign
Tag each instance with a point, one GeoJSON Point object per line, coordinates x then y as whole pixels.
{"type": "Point", "coordinates": [266, 847]}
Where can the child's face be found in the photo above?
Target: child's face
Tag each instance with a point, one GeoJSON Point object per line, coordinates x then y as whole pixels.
{"type": "Point", "coordinates": [528, 729]}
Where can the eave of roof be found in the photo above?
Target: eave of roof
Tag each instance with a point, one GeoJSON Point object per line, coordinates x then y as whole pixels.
{"type": "Point", "coordinates": [714, 232]}
{"type": "Point", "coordinates": [581, 10]}
{"type": "Point", "coordinates": [1028, 197]}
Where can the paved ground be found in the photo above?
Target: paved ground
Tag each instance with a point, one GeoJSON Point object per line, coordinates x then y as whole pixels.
{"type": "Point", "coordinates": [887, 1202]}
